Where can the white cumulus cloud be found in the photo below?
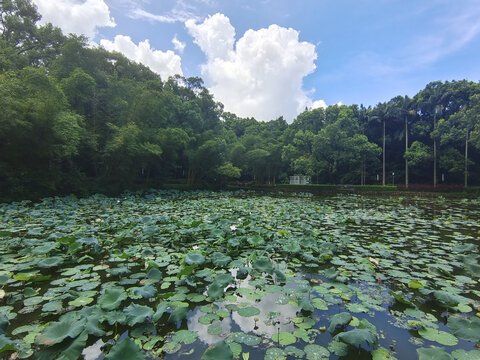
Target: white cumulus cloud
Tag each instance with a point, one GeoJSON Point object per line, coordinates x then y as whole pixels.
{"type": "Point", "coordinates": [319, 104]}
{"type": "Point", "coordinates": [165, 63]}
{"type": "Point", "coordinates": [74, 16]}
{"type": "Point", "coordinates": [178, 45]}
{"type": "Point", "coordinates": [261, 74]}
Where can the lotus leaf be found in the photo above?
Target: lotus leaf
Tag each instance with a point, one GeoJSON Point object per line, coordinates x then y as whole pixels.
{"type": "Point", "coordinates": [126, 349]}
{"type": "Point", "coordinates": [137, 313]}
{"type": "Point", "coordinates": [339, 320]}
{"type": "Point", "coordinates": [81, 301]}
{"type": "Point", "coordinates": [171, 347]}
{"type": "Point", "coordinates": [218, 351]}
{"type": "Point", "coordinates": [447, 298]}
{"type": "Point", "coordinates": [178, 314]}
{"type": "Point", "coordinates": [468, 329]}
{"type": "Point", "coordinates": [214, 329]}
{"type": "Point", "coordinates": [248, 311]}
{"type": "Point", "coordinates": [461, 354]}
{"type": "Point", "coordinates": [274, 354]}
{"type": "Point", "coordinates": [6, 344]}
{"type": "Point", "coordinates": [263, 265]}
{"type": "Point", "coordinates": [56, 332]}
{"type": "Point", "coordinates": [464, 248]}
{"type": "Point", "coordinates": [357, 337]}
{"type": "Point", "coordinates": [294, 351]}
{"type": "Point", "coordinates": [256, 241]}
{"type": "Point", "coordinates": [338, 348]}
{"type": "Point", "coordinates": [441, 337]}
{"type": "Point", "coordinates": [112, 298]}
{"type": "Point", "coordinates": [154, 274]}
{"type": "Point", "coordinates": [219, 259]}
{"type": "Point", "coordinates": [284, 338]}
{"type": "Point", "coordinates": [382, 354]}
{"type": "Point", "coordinates": [146, 292]}
{"type": "Point", "coordinates": [194, 259]}
{"type": "Point", "coordinates": [247, 339]}
{"type": "Point", "coordinates": [50, 262]}
{"type": "Point", "coordinates": [185, 336]}
{"type": "Point", "coordinates": [316, 352]}
{"type": "Point", "coordinates": [433, 354]}
{"type": "Point", "coordinates": [215, 290]}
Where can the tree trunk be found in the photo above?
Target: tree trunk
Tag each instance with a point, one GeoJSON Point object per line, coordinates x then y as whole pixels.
{"type": "Point", "coordinates": [406, 149]}
{"type": "Point", "coordinates": [466, 160]}
{"type": "Point", "coordinates": [435, 151]}
{"type": "Point", "coordinates": [383, 171]}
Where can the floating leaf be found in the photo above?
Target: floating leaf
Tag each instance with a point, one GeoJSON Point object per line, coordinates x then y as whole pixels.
{"type": "Point", "coordinates": [185, 336]}
{"type": "Point", "coordinates": [248, 311]}
{"type": "Point", "coordinates": [56, 332]}
{"type": "Point", "coordinates": [218, 351]}
{"type": "Point", "coordinates": [357, 337]}
{"type": "Point", "coordinates": [178, 314]}
{"type": "Point", "coordinates": [50, 262]}
{"type": "Point", "coordinates": [339, 320]}
{"type": "Point", "coordinates": [126, 349]}
{"type": "Point", "coordinates": [81, 301]}
{"type": "Point", "coordinates": [316, 352]}
{"type": "Point", "coordinates": [441, 337]}
{"type": "Point", "coordinates": [433, 354]}
{"type": "Point", "coordinates": [154, 274]}
{"type": "Point", "coordinates": [263, 264]}
{"type": "Point", "coordinates": [284, 338]}
{"type": "Point", "coordinates": [137, 313]}
{"type": "Point", "coordinates": [468, 329]}
{"type": "Point", "coordinates": [112, 298]}
{"type": "Point", "coordinates": [214, 329]}
{"type": "Point", "coordinates": [382, 354]}
{"type": "Point", "coordinates": [194, 259]}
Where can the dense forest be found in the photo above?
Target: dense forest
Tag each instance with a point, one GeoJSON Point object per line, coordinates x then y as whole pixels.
{"type": "Point", "coordinates": [79, 119]}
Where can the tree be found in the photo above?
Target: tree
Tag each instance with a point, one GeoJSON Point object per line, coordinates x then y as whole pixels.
{"type": "Point", "coordinates": [432, 100]}
{"type": "Point", "coordinates": [460, 126]}
{"type": "Point", "coordinates": [382, 113]}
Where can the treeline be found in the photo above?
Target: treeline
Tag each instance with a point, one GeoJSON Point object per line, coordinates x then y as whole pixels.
{"type": "Point", "coordinates": [79, 119]}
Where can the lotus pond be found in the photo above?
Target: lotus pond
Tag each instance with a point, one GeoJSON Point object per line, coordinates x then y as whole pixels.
{"type": "Point", "coordinates": [211, 275]}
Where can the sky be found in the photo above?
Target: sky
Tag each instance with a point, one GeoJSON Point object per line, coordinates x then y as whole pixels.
{"type": "Point", "coordinates": [271, 58]}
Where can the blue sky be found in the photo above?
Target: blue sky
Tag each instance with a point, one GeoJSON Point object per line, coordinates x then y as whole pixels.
{"type": "Point", "coordinates": [349, 51]}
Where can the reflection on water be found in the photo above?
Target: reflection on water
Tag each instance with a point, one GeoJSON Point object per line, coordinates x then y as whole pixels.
{"type": "Point", "coordinates": [260, 324]}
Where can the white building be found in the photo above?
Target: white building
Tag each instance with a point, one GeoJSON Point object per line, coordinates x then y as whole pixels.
{"type": "Point", "coordinates": [299, 180]}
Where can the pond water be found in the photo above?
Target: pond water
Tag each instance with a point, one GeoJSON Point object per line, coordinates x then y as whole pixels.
{"type": "Point", "coordinates": [240, 275]}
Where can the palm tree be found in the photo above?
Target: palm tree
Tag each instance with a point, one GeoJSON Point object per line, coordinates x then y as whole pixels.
{"type": "Point", "coordinates": [381, 113]}
{"type": "Point", "coordinates": [405, 110]}
{"type": "Point", "coordinates": [434, 99]}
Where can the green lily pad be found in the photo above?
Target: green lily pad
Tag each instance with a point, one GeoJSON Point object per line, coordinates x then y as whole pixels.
{"type": "Point", "coordinates": [441, 337]}
{"type": "Point", "coordinates": [194, 259]}
{"type": "Point", "coordinates": [126, 349]}
{"type": "Point", "coordinates": [214, 329]}
{"type": "Point", "coordinates": [433, 354]}
{"type": "Point", "coordinates": [154, 274]}
{"type": "Point", "coordinates": [316, 352]}
{"type": "Point", "coordinates": [468, 329]}
{"type": "Point", "coordinates": [178, 314]}
{"type": "Point", "coordinates": [218, 351]}
{"type": "Point", "coordinates": [137, 313]}
{"type": "Point", "coordinates": [382, 354]}
{"type": "Point", "coordinates": [357, 337]}
{"type": "Point", "coordinates": [112, 298]}
{"type": "Point", "coordinates": [50, 262]}
{"type": "Point", "coordinates": [461, 354]}
{"type": "Point", "coordinates": [81, 301]}
{"type": "Point", "coordinates": [248, 311]}
{"type": "Point", "coordinates": [56, 332]}
{"type": "Point", "coordinates": [284, 338]}
{"type": "Point", "coordinates": [263, 265]}
{"type": "Point", "coordinates": [185, 336]}
{"type": "Point", "coordinates": [339, 320]}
